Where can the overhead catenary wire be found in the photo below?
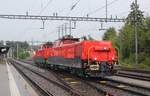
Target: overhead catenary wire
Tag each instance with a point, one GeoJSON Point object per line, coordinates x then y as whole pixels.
{"type": "Point", "coordinates": [42, 10]}
{"type": "Point", "coordinates": [48, 3]}
{"type": "Point", "coordinates": [105, 6]}
{"type": "Point", "coordinates": [71, 8]}
{"type": "Point", "coordinates": [74, 5]}
{"type": "Point", "coordinates": [98, 9]}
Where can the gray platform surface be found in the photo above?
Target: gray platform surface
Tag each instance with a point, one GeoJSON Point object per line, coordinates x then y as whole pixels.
{"type": "Point", "coordinates": [24, 89]}
{"type": "Point", "coordinates": [12, 83]}
{"type": "Point", "coordinates": [4, 81]}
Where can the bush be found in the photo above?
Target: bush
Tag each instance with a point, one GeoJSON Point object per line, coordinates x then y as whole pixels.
{"type": "Point", "coordinates": [147, 62]}
{"type": "Point", "coordinates": [143, 61]}
{"type": "Point", "coordinates": [23, 55]}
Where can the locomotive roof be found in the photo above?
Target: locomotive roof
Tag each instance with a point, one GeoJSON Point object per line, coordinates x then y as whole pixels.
{"type": "Point", "coordinates": [69, 37]}
{"type": "Point", "coordinates": [72, 39]}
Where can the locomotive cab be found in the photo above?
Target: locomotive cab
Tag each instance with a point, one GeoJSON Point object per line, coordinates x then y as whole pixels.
{"type": "Point", "coordinates": [101, 57]}
{"type": "Point", "coordinates": [68, 39]}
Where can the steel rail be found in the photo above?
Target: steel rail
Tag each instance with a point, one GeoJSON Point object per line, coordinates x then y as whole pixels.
{"type": "Point", "coordinates": [39, 89]}
{"type": "Point", "coordinates": [68, 89]}
{"type": "Point", "coordinates": [102, 91]}
{"type": "Point", "coordinates": [134, 76]}
{"type": "Point", "coordinates": [127, 84]}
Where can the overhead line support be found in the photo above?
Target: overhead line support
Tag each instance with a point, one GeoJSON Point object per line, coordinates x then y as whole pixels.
{"type": "Point", "coordinates": [65, 18]}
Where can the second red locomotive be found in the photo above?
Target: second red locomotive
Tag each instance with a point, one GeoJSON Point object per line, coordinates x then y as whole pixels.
{"type": "Point", "coordinates": [85, 58]}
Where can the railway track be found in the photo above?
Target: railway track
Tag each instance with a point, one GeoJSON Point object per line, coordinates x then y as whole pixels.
{"type": "Point", "coordinates": [76, 85]}
{"type": "Point", "coordinates": [123, 88]}
{"type": "Point", "coordinates": [81, 85]}
{"type": "Point", "coordinates": [134, 75]}
{"type": "Point", "coordinates": [69, 78]}
{"type": "Point", "coordinates": [131, 88]}
{"type": "Point", "coordinates": [75, 82]}
{"type": "Point", "coordinates": [107, 87]}
{"type": "Point", "coordinates": [135, 70]}
{"type": "Point", "coordinates": [38, 89]}
{"type": "Point", "coordinates": [47, 86]}
{"type": "Point", "coordinates": [113, 87]}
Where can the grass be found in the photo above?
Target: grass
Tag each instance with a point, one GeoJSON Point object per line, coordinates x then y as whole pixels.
{"type": "Point", "coordinates": [138, 66]}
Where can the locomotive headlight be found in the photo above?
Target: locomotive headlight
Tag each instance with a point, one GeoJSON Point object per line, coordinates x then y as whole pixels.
{"type": "Point", "coordinates": [34, 53]}
{"type": "Point", "coordinates": [113, 58]}
{"type": "Point", "coordinates": [95, 58]}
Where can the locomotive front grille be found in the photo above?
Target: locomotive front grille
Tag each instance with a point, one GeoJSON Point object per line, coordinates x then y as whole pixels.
{"type": "Point", "coordinates": [94, 67]}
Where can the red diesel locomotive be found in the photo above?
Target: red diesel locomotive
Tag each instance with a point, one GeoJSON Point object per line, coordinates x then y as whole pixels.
{"type": "Point", "coordinates": [85, 58]}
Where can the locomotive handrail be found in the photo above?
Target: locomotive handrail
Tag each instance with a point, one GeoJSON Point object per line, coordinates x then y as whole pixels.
{"type": "Point", "coordinates": [89, 53]}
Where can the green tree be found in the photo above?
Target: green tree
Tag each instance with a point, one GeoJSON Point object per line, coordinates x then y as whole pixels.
{"type": "Point", "coordinates": [127, 32]}
{"type": "Point", "coordinates": [135, 13]}
{"type": "Point", "coordinates": [111, 35]}
{"type": "Point", "coordinates": [21, 46]}
{"type": "Point", "coordinates": [23, 54]}
{"type": "Point", "coordinates": [127, 37]}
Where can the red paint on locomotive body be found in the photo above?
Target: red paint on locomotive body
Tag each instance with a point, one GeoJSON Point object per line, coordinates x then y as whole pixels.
{"type": "Point", "coordinates": [87, 54]}
{"type": "Point", "coordinates": [92, 50]}
{"type": "Point", "coordinates": [98, 51]}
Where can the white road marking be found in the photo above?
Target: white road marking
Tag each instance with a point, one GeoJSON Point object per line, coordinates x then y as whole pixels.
{"type": "Point", "coordinates": [12, 84]}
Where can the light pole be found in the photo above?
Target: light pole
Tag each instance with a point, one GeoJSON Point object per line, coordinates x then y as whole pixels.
{"type": "Point", "coordinates": [65, 28]}
{"type": "Point", "coordinates": [70, 27]}
{"type": "Point", "coordinates": [120, 53]}
{"type": "Point", "coordinates": [136, 34]}
{"type": "Point", "coordinates": [62, 30]}
{"type": "Point", "coordinates": [106, 10]}
{"type": "Point", "coordinates": [59, 32]}
{"type": "Point", "coordinates": [17, 51]}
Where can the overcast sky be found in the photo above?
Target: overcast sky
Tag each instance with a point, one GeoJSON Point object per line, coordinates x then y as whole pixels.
{"type": "Point", "coordinates": [30, 30]}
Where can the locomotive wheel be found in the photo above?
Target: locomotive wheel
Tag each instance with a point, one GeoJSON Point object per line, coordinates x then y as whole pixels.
{"type": "Point", "coordinates": [73, 71]}
{"type": "Point", "coordinates": [55, 67]}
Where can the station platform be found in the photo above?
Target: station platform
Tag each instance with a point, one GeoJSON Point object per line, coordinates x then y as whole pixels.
{"type": "Point", "coordinates": [4, 81]}
{"type": "Point", "coordinates": [12, 83]}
